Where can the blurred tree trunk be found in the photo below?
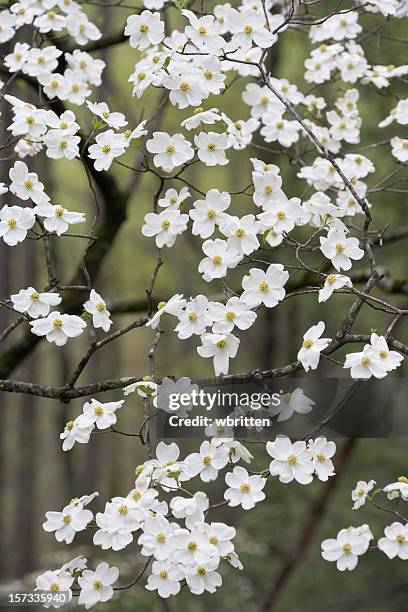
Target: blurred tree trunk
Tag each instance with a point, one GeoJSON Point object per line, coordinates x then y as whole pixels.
{"type": "Point", "coordinates": [24, 492]}
{"type": "Point", "coordinates": [4, 321]}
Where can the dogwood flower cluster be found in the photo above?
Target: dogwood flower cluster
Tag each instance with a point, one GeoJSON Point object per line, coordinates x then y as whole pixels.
{"type": "Point", "coordinates": [352, 542]}
{"type": "Point", "coordinates": [375, 359]}
{"type": "Point", "coordinates": [177, 535]}
{"type": "Point", "coordinates": [95, 414]}
{"type": "Point", "coordinates": [57, 327]}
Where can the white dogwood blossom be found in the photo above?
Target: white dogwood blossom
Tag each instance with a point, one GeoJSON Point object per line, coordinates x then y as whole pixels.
{"type": "Point", "coordinates": [264, 287]}
{"type": "Point", "coordinates": [57, 218]}
{"type": "Point", "coordinates": [345, 549]}
{"type": "Point", "coordinates": [96, 306]}
{"type": "Point", "coordinates": [15, 222]}
{"type": "Point", "coordinates": [244, 490]}
{"type": "Point", "coordinates": [290, 461]}
{"type": "Point", "coordinates": [170, 151]}
{"type": "Point", "coordinates": [100, 414]}
{"type": "Point", "coordinates": [58, 327]}
{"type": "Point", "coordinates": [96, 586]}
{"type": "Point", "coordinates": [34, 303]}
{"type": "Point", "coordinates": [221, 347]}
{"type": "Point", "coordinates": [166, 226]}
{"type": "Point", "coordinates": [67, 523]}
{"type": "Point", "coordinates": [312, 346]}
{"type": "Point", "coordinates": [360, 492]}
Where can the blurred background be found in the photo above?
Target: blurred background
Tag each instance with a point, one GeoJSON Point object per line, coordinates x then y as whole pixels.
{"type": "Point", "coordinates": [279, 541]}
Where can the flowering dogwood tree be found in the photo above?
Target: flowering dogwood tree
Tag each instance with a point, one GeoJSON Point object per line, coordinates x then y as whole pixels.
{"type": "Point", "coordinates": [211, 54]}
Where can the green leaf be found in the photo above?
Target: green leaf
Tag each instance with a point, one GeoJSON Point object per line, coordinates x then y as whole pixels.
{"type": "Point", "coordinates": [180, 4]}
{"type": "Point", "coordinates": [98, 124]}
{"type": "Point", "coordinates": [174, 475]}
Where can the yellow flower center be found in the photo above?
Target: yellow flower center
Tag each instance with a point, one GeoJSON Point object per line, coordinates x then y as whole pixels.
{"type": "Point", "coordinates": [400, 538]}
{"type": "Point", "coordinates": [12, 223]}
{"type": "Point", "coordinates": [106, 148]}
{"type": "Point", "coordinates": [321, 457]}
{"type": "Point", "coordinates": [69, 425]}
{"type": "Point", "coordinates": [240, 232]}
{"type": "Point", "coordinates": [123, 509]}
{"type": "Point", "coordinates": [365, 361]}
{"type": "Point", "coordinates": [101, 307]}
{"type": "Point", "coordinates": [211, 146]}
{"type": "Point", "coordinates": [207, 460]}
{"type": "Point", "coordinates": [221, 344]}
{"type": "Point", "coordinates": [230, 316]}
{"type": "Point", "coordinates": [170, 148]}
{"type": "Point", "coordinates": [263, 286]}
{"type": "Point", "coordinates": [292, 459]}
{"type": "Point", "coordinates": [57, 323]}
{"type": "Point", "coordinates": [245, 488]}
{"type": "Point", "coordinates": [339, 247]}
{"type": "Point", "coordinates": [248, 29]}
{"type": "Point", "coordinates": [98, 411]}
{"type": "Point", "coordinates": [164, 574]}
{"type": "Point", "coordinates": [213, 540]}
{"type": "Point", "coordinates": [217, 259]}
{"type": "Point", "coordinates": [54, 587]}
{"type": "Point", "coordinates": [268, 189]}
{"type": "Point", "coordinates": [347, 548]}
{"type": "Point", "coordinates": [308, 343]}
{"type": "Point", "coordinates": [67, 519]}
{"type": "Point", "coordinates": [160, 538]}
{"type": "Point", "coordinates": [184, 86]}
{"type": "Point", "coordinates": [201, 570]}
{"type": "Point", "coordinates": [192, 316]}
{"type": "Point", "coordinates": [383, 354]}
{"type": "Point", "coordinates": [97, 585]}
{"type": "Point", "coordinates": [211, 214]}
{"type": "Point", "coordinates": [208, 74]}
{"type": "Point", "coordinates": [144, 28]}
{"type": "Point", "coordinates": [192, 546]}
